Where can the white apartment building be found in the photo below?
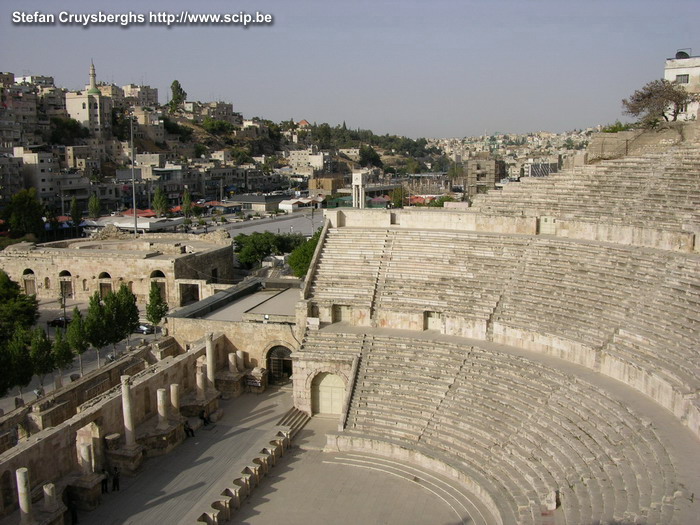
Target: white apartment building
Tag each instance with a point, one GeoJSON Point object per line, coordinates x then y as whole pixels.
{"type": "Point", "coordinates": [90, 107]}
{"type": "Point", "coordinates": [140, 95]}
{"type": "Point", "coordinates": [685, 71]}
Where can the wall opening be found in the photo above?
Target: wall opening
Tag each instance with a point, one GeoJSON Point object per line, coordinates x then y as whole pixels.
{"type": "Point", "coordinates": [327, 394]}
{"type": "Point", "coordinates": [279, 364]}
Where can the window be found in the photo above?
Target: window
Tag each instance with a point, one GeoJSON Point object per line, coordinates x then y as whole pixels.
{"type": "Point", "coordinates": [83, 105]}
{"type": "Point", "coordinates": [681, 79]}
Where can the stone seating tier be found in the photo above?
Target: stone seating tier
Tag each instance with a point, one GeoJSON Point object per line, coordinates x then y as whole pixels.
{"type": "Point", "coordinates": [526, 428]}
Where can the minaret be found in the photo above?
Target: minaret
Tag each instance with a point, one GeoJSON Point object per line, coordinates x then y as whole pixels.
{"type": "Point", "coordinates": [93, 82]}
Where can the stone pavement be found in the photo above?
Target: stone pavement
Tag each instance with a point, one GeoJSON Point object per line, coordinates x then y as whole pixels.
{"type": "Point", "coordinates": [178, 487]}
{"type": "Point", "coordinates": [306, 486]}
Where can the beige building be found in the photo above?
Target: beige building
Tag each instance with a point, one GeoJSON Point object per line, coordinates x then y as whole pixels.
{"type": "Point", "coordinates": [140, 95]}
{"type": "Point", "coordinates": [90, 107]}
{"type": "Point", "coordinates": [684, 70]}
{"type": "Point", "coordinates": [187, 268]}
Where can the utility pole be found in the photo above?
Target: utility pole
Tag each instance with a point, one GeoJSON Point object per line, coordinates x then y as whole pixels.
{"type": "Point", "coordinates": [133, 177]}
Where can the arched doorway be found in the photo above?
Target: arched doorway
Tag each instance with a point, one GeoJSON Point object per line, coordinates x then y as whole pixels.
{"type": "Point", "coordinates": [105, 282]}
{"type": "Point", "coordinates": [279, 364]}
{"type": "Point", "coordinates": [29, 282]}
{"type": "Point", "coordinates": [158, 277]}
{"type": "Point", "coordinates": [7, 490]}
{"type": "Point", "coordinates": [327, 394]}
{"type": "Point", "coordinates": [66, 281]}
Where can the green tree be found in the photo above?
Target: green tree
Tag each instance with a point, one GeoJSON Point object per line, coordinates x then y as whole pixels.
{"type": "Point", "coordinates": [66, 131]}
{"type": "Point", "coordinates": [20, 371]}
{"type": "Point", "coordinates": [16, 308]}
{"type": "Point", "coordinates": [187, 204]}
{"type": "Point", "coordinates": [200, 150]}
{"type": "Point", "coordinates": [94, 207]}
{"type": "Point", "coordinates": [397, 197]}
{"type": "Point", "coordinates": [656, 100]}
{"type": "Point", "coordinates": [75, 215]}
{"type": "Point", "coordinates": [156, 307]}
{"type": "Point", "coordinates": [24, 214]}
{"type": "Point", "coordinates": [40, 354]}
{"type": "Point", "coordinates": [179, 95]}
{"type": "Point", "coordinates": [61, 352]}
{"type": "Point", "coordinates": [97, 331]}
{"type": "Point", "coordinates": [369, 157]}
{"type": "Point", "coordinates": [160, 203]}
{"type": "Point", "coordinates": [253, 248]}
{"type": "Point", "coordinates": [114, 321]}
{"type": "Point", "coordinates": [76, 336]}
{"type": "Point", "coordinates": [440, 201]}
{"type": "Point", "coordinates": [300, 259]}
{"type": "Point", "coordinates": [456, 170]}
{"type": "Point", "coordinates": [128, 311]}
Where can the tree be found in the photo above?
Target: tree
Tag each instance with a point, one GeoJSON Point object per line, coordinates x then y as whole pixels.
{"type": "Point", "coordinates": [96, 330]}
{"type": "Point", "coordinates": [179, 95]}
{"type": "Point", "coordinates": [156, 307]}
{"type": "Point", "coordinates": [128, 311]}
{"type": "Point", "coordinates": [75, 215]}
{"type": "Point", "coordinates": [20, 371]}
{"type": "Point", "coordinates": [94, 207]}
{"type": "Point", "coordinates": [160, 203]}
{"type": "Point", "coordinates": [187, 204]}
{"type": "Point", "coordinates": [76, 336]}
{"type": "Point", "coordinates": [40, 354]}
{"type": "Point", "coordinates": [16, 308]}
{"type": "Point", "coordinates": [114, 321]}
{"type": "Point", "coordinates": [656, 100]}
{"type": "Point", "coordinates": [369, 157]}
{"type": "Point", "coordinates": [397, 197]}
{"type": "Point", "coordinates": [61, 353]}
{"type": "Point", "coordinates": [24, 214]}
{"type": "Point", "coordinates": [300, 259]}
{"type": "Point", "coordinates": [440, 201]}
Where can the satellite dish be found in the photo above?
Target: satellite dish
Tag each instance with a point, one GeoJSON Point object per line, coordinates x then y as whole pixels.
{"type": "Point", "coordinates": [682, 54]}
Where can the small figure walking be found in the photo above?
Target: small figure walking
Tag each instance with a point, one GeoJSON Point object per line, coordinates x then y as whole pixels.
{"type": "Point", "coordinates": [115, 480]}
{"type": "Point", "coordinates": [204, 417]}
{"type": "Point", "coordinates": [188, 429]}
{"type": "Point", "coordinates": [105, 481]}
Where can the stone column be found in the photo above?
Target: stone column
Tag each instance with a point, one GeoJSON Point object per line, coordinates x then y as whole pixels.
{"type": "Point", "coordinates": [86, 459]}
{"type": "Point", "coordinates": [49, 497]}
{"type": "Point", "coordinates": [129, 429]}
{"type": "Point", "coordinates": [201, 383]}
{"type": "Point", "coordinates": [175, 398]}
{"type": "Point", "coordinates": [25, 496]}
{"type": "Point", "coordinates": [162, 397]}
{"type": "Point", "coordinates": [232, 367]}
{"type": "Point", "coordinates": [240, 360]}
{"type": "Point", "coordinates": [211, 366]}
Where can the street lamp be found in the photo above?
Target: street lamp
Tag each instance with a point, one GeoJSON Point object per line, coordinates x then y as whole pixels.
{"type": "Point", "coordinates": [133, 177]}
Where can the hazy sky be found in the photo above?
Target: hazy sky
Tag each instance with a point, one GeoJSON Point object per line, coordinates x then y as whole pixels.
{"type": "Point", "coordinates": [418, 68]}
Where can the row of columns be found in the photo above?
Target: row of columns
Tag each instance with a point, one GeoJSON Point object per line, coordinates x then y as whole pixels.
{"type": "Point", "coordinates": [25, 497]}
{"type": "Point", "coordinates": [165, 399]}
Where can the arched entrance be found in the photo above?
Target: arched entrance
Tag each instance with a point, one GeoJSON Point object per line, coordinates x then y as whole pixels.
{"type": "Point", "coordinates": [29, 281]}
{"type": "Point", "coordinates": [66, 282]}
{"type": "Point", "coordinates": [279, 364]}
{"type": "Point", "coordinates": [105, 282]}
{"type": "Point", "coordinates": [158, 277]}
{"type": "Point", "coordinates": [327, 394]}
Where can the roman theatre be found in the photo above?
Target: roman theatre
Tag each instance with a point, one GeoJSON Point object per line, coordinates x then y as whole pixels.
{"type": "Point", "coordinates": [531, 359]}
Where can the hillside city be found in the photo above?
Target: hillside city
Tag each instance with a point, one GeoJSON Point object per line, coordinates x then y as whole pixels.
{"type": "Point", "coordinates": [77, 144]}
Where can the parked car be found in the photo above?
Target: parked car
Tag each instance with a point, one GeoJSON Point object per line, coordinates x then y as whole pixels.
{"type": "Point", "coordinates": [59, 321]}
{"type": "Point", "coordinates": [145, 328]}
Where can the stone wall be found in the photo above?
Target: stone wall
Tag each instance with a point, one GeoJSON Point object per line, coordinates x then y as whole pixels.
{"type": "Point", "coordinates": [97, 418]}
{"type": "Point", "coordinates": [255, 339]}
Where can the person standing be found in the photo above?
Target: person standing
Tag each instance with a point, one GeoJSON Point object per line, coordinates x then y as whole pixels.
{"type": "Point", "coordinates": [115, 480]}
{"type": "Point", "coordinates": [105, 481]}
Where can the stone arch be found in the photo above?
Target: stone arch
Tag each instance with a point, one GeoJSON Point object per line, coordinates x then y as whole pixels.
{"type": "Point", "coordinates": [65, 281]}
{"type": "Point", "coordinates": [278, 361]}
{"type": "Point", "coordinates": [327, 393]}
{"type": "Point", "coordinates": [105, 283]}
{"type": "Point", "coordinates": [158, 277]}
{"type": "Point", "coordinates": [7, 490]}
{"type": "Point", "coordinates": [29, 281]}
{"type": "Point", "coordinates": [157, 274]}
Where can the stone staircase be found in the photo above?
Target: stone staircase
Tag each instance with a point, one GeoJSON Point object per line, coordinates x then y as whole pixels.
{"type": "Point", "coordinates": [295, 419]}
